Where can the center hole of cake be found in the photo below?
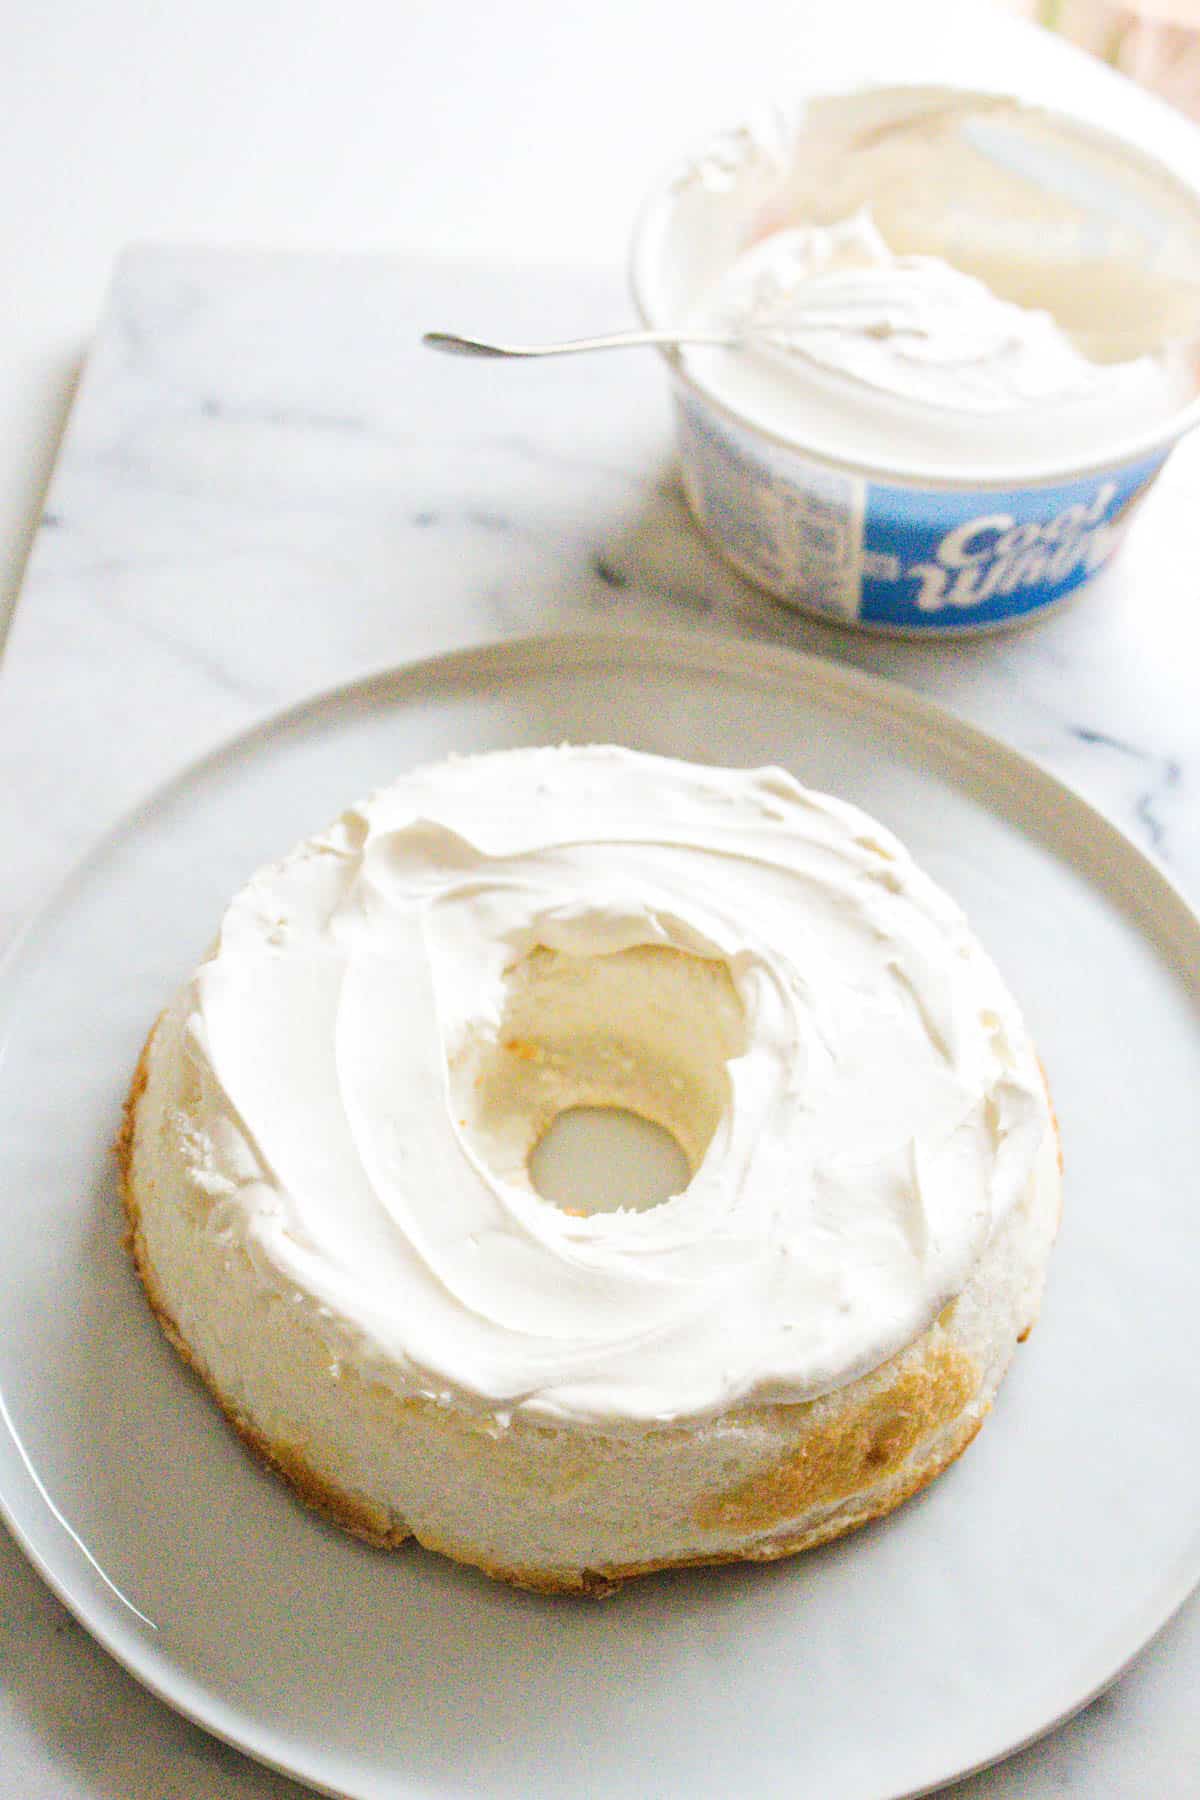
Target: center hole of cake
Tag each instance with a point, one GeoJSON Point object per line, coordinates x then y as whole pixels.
{"type": "Point", "coordinates": [594, 1159]}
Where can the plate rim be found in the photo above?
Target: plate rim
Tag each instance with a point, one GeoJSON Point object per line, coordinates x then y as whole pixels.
{"type": "Point", "coordinates": [710, 652]}
{"type": "Point", "coordinates": [1114, 860]}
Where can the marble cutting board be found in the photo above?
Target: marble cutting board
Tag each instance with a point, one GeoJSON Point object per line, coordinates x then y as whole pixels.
{"type": "Point", "coordinates": [267, 487]}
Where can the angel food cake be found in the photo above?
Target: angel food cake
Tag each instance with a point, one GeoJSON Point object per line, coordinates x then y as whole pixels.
{"type": "Point", "coordinates": [326, 1159]}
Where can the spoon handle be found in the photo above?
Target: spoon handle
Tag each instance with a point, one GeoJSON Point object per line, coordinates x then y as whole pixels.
{"type": "Point", "coordinates": [454, 345]}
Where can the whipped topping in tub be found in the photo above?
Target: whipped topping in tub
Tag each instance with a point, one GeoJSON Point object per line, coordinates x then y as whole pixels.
{"type": "Point", "coordinates": [960, 322]}
{"type": "Point", "coordinates": [844, 334]}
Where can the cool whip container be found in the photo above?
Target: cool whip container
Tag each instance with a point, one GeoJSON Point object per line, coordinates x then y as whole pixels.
{"type": "Point", "coordinates": [924, 524]}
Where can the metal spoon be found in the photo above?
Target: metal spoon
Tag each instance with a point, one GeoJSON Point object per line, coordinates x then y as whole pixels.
{"type": "Point", "coordinates": [454, 345]}
{"type": "Point", "coordinates": [1099, 346]}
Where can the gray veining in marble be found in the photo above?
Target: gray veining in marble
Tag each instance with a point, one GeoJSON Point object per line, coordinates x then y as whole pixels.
{"type": "Point", "coordinates": [267, 487]}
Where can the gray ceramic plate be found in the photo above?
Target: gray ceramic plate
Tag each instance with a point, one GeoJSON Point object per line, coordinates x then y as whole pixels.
{"type": "Point", "coordinates": [973, 1619]}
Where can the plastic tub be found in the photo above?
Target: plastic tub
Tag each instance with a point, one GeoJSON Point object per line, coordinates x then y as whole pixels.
{"type": "Point", "coordinates": [913, 541]}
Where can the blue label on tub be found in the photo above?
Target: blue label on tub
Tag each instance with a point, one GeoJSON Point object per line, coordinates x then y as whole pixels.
{"type": "Point", "coordinates": [920, 560]}
{"type": "Point", "coordinates": [943, 560]}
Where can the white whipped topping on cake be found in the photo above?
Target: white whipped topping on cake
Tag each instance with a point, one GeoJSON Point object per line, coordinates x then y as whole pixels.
{"type": "Point", "coordinates": [867, 1107]}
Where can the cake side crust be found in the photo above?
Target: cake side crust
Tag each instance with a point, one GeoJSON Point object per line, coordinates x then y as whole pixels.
{"type": "Point", "coordinates": [352, 1514]}
{"type": "Point", "coordinates": [936, 1415]}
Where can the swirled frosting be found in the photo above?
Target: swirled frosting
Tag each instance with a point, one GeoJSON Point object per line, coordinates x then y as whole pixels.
{"type": "Point", "coordinates": [877, 1115]}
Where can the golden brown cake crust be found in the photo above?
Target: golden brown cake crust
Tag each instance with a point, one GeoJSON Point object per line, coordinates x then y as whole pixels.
{"type": "Point", "coordinates": [870, 1443]}
{"type": "Point", "coordinates": [286, 1459]}
{"type": "Point", "coordinates": [861, 1447]}
{"type": "Point", "coordinates": [600, 1583]}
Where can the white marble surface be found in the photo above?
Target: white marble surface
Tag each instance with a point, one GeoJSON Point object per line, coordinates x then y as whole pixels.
{"type": "Point", "coordinates": [267, 487]}
{"type": "Point", "coordinates": [236, 520]}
